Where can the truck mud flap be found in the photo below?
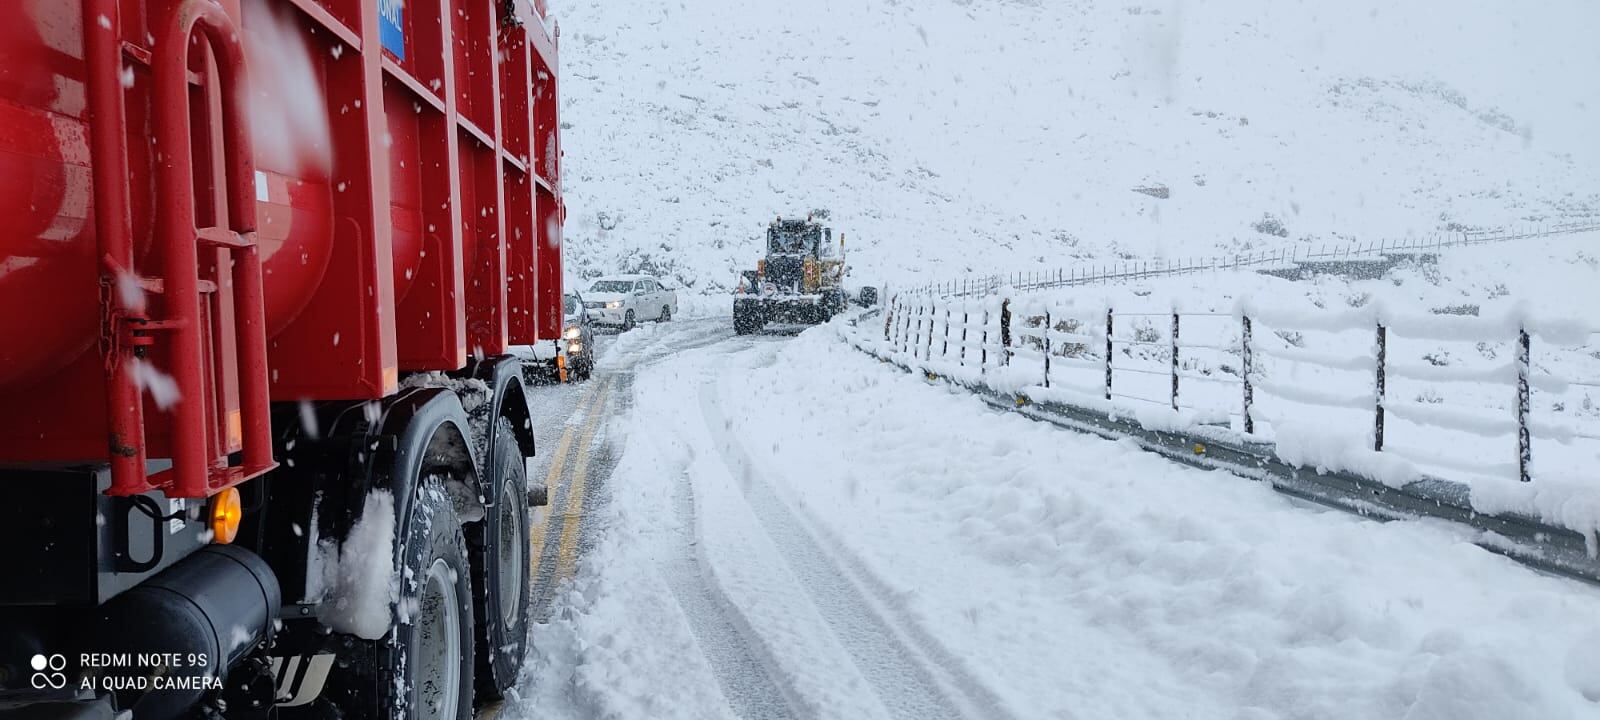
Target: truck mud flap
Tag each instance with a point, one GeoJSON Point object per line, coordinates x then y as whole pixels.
{"type": "Point", "coordinates": [299, 678]}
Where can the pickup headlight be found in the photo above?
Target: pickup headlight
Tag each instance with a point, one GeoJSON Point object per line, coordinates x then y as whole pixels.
{"type": "Point", "coordinates": [573, 333]}
{"type": "Point", "coordinates": [614, 305]}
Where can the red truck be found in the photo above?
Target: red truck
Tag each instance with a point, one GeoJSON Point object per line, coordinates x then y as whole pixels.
{"type": "Point", "coordinates": [262, 444]}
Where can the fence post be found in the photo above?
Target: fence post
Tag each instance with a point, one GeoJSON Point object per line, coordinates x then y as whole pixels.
{"type": "Point", "coordinates": [916, 336]}
{"type": "Point", "coordinates": [900, 326]}
{"type": "Point", "coordinates": [962, 357]}
{"type": "Point", "coordinates": [926, 330]}
{"type": "Point", "coordinates": [911, 314]}
{"type": "Point", "coordinates": [983, 344]}
{"type": "Point", "coordinates": [1047, 327]}
{"type": "Point", "coordinates": [1005, 332]}
{"type": "Point", "coordinates": [1109, 328]}
{"type": "Point", "coordinates": [905, 332]}
{"type": "Point", "coordinates": [1524, 440]}
{"type": "Point", "coordinates": [1174, 362]}
{"type": "Point", "coordinates": [945, 352]}
{"type": "Point", "coordinates": [888, 318]}
{"type": "Point", "coordinates": [906, 312]}
{"type": "Point", "coordinates": [1247, 362]}
{"type": "Point", "coordinates": [922, 313]}
{"type": "Point", "coordinates": [913, 323]}
{"type": "Point", "coordinates": [927, 351]}
{"type": "Point", "coordinates": [1381, 379]}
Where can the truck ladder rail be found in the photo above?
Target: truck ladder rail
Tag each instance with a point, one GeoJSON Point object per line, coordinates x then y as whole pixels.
{"type": "Point", "coordinates": [199, 468]}
{"type": "Point", "coordinates": [121, 311]}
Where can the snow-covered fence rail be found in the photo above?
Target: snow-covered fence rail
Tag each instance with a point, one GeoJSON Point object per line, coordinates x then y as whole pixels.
{"type": "Point", "coordinates": [1325, 405]}
{"type": "Point", "coordinates": [1281, 258]}
{"type": "Point", "coordinates": [1217, 369]}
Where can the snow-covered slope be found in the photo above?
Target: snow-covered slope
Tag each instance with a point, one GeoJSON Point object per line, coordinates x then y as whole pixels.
{"type": "Point", "coordinates": [949, 136]}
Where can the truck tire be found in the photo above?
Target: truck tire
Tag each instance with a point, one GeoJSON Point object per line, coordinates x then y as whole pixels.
{"type": "Point", "coordinates": [745, 322]}
{"type": "Point", "coordinates": [423, 666]}
{"type": "Point", "coordinates": [628, 321]}
{"type": "Point", "coordinates": [666, 314]}
{"type": "Point", "coordinates": [833, 303]}
{"type": "Point", "coordinates": [430, 662]}
{"type": "Point", "coordinates": [500, 567]}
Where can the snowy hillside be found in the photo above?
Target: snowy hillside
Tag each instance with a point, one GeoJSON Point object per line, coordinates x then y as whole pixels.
{"type": "Point", "coordinates": [971, 135]}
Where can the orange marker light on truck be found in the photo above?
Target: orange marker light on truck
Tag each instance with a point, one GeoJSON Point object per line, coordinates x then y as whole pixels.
{"type": "Point", "coordinates": [225, 516]}
{"type": "Point", "coordinates": [235, 429]}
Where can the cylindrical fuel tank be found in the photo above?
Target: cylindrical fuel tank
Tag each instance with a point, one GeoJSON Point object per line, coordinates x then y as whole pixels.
{"type": "Point", "coordinates": [49, 269]}
{"type": "Point", "coordinates": [294, 221]}
{"type": "Point", "coordinates": [47, 304]}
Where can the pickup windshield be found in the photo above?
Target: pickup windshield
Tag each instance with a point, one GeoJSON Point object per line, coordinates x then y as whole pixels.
{"type": "Point", "coordinates": [611, 286]}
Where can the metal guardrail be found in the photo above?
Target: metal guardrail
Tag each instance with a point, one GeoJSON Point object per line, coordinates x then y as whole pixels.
{"type": "Point", "coordinates": [1013, 352]}
{"type": "Point", "coordinates": [1282, 258]}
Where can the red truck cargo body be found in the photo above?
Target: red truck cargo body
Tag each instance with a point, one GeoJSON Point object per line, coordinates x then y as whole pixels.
{"type": "Point", "coordinates": [214, 204]}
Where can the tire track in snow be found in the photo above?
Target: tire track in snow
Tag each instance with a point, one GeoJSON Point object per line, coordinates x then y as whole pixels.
{"type": "Point", "coordinates": [549, 522]}
{"type": "Point", "coordinates": [908, 669]}
{"type": "Point", "coordinates": [746, 673]}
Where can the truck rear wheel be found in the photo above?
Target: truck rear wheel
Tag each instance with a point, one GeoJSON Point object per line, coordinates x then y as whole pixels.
{"type": "Point", "coordinates": [500, 567]}
{"type": "Point", "coordinates": [833, 303]}
{"type": "Point", "coordinates": [746, 320]}
{"type": "Point", "coordinates": [430, 663]}
{"type": "Point", "coordinates": [422, 668]}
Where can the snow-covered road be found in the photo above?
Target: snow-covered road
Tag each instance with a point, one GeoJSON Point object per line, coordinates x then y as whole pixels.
{"type": "Point", "coordinates": [792, 529]}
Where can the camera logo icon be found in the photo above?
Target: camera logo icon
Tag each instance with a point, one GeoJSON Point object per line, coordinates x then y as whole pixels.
{"type": "Point", "coordinates": [48, 672]}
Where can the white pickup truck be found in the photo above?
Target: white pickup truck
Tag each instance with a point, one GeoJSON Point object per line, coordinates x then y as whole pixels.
{"type": "Point", "coordinates": [624, 300]}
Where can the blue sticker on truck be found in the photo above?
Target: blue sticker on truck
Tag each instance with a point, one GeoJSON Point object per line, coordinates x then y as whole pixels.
{"type": "Point", "coordinates": [392, 26]}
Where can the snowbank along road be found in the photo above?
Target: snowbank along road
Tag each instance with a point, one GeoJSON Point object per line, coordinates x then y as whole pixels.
{"type": "Point", "coordinates": [781, 527]}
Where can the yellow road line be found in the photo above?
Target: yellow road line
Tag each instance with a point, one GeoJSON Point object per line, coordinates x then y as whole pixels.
{"type": "Point", "coordinates": [566, 552]}
{"type": "Point", "coordinates": [557, 463]}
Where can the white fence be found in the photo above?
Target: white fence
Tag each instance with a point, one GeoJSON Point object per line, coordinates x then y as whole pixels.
{"type": "Point", "coordinates": [1385, 395]}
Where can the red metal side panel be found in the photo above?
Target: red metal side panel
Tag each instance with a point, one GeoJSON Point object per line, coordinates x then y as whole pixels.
{"type": "Point", "coordinates": [549, 264]}
{"type": "Point", "coordinates": [430, 324]}
{"type": "Point", "coordinates": [521, 236]}
{"type": "Point", "coordinates": [547, 164]}
{"type": "Point", "coordinates": [345, 346]}
{"type": "Point", "coordinates": [477, 91]}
